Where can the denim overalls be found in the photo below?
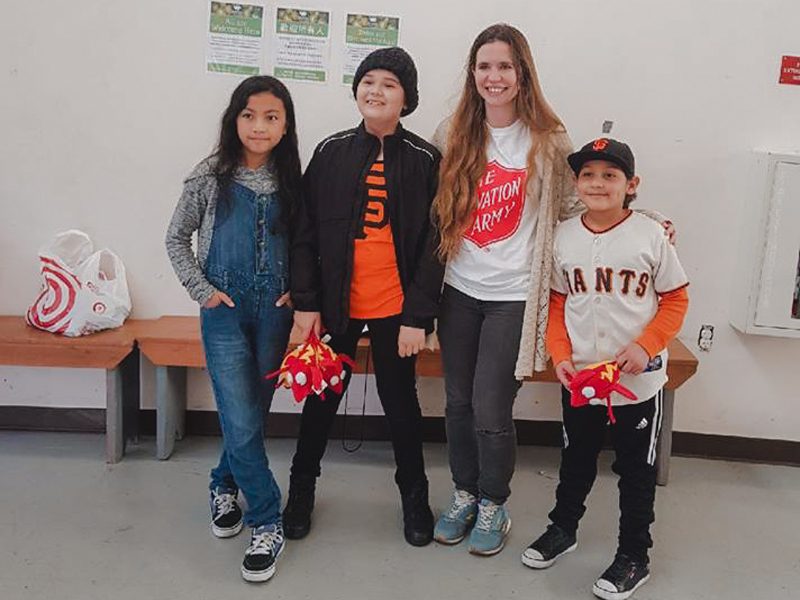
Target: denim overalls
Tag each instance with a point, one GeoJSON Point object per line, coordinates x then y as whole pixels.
{"type": "Point", "coordinates": [248, 260]}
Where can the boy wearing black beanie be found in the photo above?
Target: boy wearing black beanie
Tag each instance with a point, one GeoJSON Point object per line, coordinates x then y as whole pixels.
{"type": "Point", "coordinates": [363, 254]}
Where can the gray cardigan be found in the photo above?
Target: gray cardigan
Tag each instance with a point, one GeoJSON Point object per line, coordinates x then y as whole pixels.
{"type": "Point", "coordinates": [195, 211]}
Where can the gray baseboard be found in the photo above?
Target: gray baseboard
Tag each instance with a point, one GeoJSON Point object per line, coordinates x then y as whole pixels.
{"type": "Point", "coordinates": [354, 427]}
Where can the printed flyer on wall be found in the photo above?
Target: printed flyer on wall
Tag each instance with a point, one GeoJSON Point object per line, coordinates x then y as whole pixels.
{"type": "Point", "coordinates": [235, 35]}
{"type": "Point", "coordinates": [302, 44]}
{"type": "Point", "coordinates": [363, 34]}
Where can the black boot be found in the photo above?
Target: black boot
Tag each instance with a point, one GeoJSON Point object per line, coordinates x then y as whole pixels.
{"type": "Point", "coordinates": [417, 515]}
{"type": "Point", "coordinates": [297, 514]}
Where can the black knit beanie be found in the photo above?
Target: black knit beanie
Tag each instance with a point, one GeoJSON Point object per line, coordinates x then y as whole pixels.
{"type": "Point", "coordinates": [399, 62]}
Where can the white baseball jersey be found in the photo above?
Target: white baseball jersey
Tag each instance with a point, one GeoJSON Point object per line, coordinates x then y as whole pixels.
{"type": "Point", "coordinates": [612, 279]}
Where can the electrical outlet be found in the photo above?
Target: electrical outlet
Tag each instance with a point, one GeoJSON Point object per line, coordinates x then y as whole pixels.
{"type": "Point", "coordinates": [705, 338]}
{"type": "Point", "coordinates": [607, 125]}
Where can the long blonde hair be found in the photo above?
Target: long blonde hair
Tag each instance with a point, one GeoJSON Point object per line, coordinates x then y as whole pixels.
{"type": "Point", "coordinates": [465, 155]}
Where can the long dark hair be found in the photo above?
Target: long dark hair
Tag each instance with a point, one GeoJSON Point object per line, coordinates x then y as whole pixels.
{"type": "Point", "coordinates": [465, 155]}
{"type": "Point", "coordinates": [284, 157]}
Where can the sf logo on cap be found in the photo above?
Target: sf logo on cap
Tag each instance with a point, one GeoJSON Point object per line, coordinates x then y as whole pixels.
{"type": "Point", "coordinates": [600, 145]}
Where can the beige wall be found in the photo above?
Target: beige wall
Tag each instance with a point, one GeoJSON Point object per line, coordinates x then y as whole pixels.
{"type": "Point", "coordinates": [104, 109]}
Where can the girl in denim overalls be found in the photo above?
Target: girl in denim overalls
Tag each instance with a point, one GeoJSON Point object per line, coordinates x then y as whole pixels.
{"type": "Point", "coordinates": [239, 201]}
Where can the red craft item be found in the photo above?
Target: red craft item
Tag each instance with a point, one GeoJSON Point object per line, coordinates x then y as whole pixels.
{"type": "Point", "coordinates": [311, 368]}
{"type": "Point", "coordinates": [596, 382]}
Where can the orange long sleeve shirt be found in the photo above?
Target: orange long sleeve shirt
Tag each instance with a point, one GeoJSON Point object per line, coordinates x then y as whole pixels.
{"type": "Point", "coordinates": [664, 326]}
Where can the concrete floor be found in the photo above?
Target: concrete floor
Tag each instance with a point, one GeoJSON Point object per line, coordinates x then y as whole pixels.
{"type": "Point", "coordinates": [72, 527]}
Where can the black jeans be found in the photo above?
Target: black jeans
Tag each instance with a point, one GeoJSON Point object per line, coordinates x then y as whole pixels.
{"type": "Point", "coordinates": [480, 343]}
{"type": "Point", "coordinates": [634, 436]}
{"type": "Point", "coordinates": [397, 390]}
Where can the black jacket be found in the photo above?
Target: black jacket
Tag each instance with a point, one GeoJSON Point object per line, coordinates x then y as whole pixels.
{"type": "Point", "coordinates": [331, 210]}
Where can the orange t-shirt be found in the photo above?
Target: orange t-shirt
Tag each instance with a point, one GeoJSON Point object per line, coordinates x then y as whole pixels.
{"type": "Point", "coordinates": [375, 289]}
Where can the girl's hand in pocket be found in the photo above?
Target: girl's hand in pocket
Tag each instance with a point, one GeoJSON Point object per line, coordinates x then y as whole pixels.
{"type": "Point", "coordinates": [218, 298]}
{"type": "Point", "coordinates": [285, 299]}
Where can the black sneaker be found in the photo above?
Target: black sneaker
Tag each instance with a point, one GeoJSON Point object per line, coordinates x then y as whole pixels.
{"type": "Point", "coordinates": [299, 506]}
{"type": "Point", "coordinates": [548, 547]}
{"type": "Point", "coordinates": [266, 545]}
{"type": "Point", "coordinates": [417, 515]}
{"type": "Point", "coordinates": [226, 515]}
{"type": "Point", "coordinates": [621, 579]}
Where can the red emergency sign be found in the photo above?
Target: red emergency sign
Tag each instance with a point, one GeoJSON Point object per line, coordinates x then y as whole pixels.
{"type": "Point", "coordinates": [790, 70]}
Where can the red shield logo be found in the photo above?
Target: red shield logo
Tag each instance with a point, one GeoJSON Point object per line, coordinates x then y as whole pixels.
{"type": "Point", "coordinates": [501, 198]}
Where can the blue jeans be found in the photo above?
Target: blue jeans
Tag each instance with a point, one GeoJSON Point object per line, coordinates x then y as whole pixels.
{"type": "Point", "coordinates": [248, 261]}
{"type": "Point", "coordinates": [242, 344]}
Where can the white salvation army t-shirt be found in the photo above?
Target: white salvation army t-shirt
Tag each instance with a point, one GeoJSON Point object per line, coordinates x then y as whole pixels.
{"type": "Point", "coordinates": [612, 280]}
{"type": "Point", "coordinates": [494, 261]}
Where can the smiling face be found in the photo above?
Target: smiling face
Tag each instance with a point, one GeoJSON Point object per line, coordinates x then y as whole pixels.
{"type": "Point", "coordinates": [260, 125]}
{"type": "Point", "coordinates": [495, 76]}
{"type": "Point", "coordinates": [380, 98]}
{"type": "Point", "coordinates": [602, 186]}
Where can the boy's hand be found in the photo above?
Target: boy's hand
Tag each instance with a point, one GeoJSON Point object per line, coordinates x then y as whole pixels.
{"type": "Point", "coordinates": [565, 371]}
{"type": "Point", "coordinates": [218, 298]}
{"type": "Point", "coordinates": [306, 322]}
{"type": "Point", "coordinates": [410, 340]}
{"type": "Point", "coordinates": [632, 359]}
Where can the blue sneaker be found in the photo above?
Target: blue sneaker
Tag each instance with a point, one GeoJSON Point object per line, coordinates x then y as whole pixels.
{"type": "Point", "coordinates": [454, 523]}
{"type": "Point", "coordinates": [266, 545]}
{"type": "Point", "coordinates": [226, 515]}
{"type": "Point", "coordinates": [491, 529]}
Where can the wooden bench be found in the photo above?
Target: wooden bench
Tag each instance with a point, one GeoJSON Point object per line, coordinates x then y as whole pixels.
{"type": "Point", "coordinates": [173, 345]}
{"type": "Point", "coordinates": [24, 346]}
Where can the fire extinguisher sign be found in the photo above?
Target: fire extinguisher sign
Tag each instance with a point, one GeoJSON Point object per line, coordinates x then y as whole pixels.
{"type": "Point", "coordinates": [790, 70]}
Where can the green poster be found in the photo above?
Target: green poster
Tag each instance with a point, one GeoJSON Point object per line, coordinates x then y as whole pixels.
{"type": "Point", "coordinates": [302, 44]}
{"type": "Point", "coordinates": [235, 35]}
{"type": "Point", "coordinates": [363, 34]}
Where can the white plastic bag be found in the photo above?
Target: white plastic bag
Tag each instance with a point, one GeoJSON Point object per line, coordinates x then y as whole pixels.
{"type": "Point", "coordinates": [83, 291]}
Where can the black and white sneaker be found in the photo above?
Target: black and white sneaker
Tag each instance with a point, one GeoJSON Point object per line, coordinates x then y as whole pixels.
{"type": "Point", "coordinates": [621, 579]}
{"type": "Point", "coordinates": [266, 545]}
{"type": "Point", "coordinates": [226, 515]}
{"type": "Point", "coordinates": [544, 551]}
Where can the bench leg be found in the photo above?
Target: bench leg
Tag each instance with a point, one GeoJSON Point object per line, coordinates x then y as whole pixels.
{"type": "Point", "coordinates": [180, 405]}
{"type": "Point", "coordinates": [664, 448]}
{"type": "Point", "coordinates": [131, 396]}
{"type": "Point", "coordinates": [115, 436]}
{"type": "Point", "coordinates": [122, 406]}
{"type": "Point", "coordinates": [170, 408]}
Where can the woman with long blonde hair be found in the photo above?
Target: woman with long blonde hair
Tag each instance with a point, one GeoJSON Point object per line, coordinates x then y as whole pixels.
{"type": "Point", "coordinates": [504, 184]}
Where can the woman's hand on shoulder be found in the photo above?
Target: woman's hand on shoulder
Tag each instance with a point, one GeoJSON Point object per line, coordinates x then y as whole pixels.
{"type": "Point", "coordinates": [672, 233]}
{"type": "Point", "coordinates": [410, 340]}
{"type": "Point", "coordinates": [218, 298]}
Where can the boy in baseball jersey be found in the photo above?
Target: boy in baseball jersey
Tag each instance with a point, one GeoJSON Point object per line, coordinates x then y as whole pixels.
{"type": "Point", "coordinates": [618, 293]}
